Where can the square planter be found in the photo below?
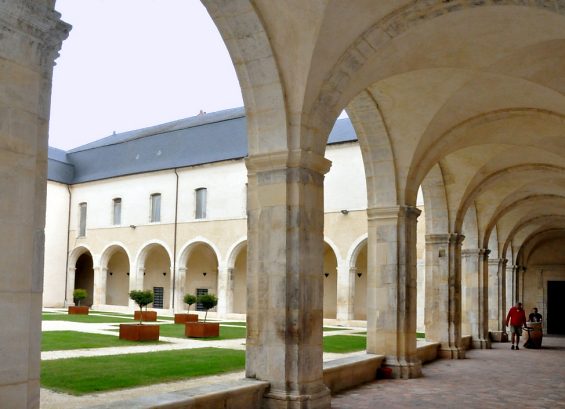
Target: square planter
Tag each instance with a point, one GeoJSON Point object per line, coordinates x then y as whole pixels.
{"type": "Point", "coordinates": [183, 318]}
{"type": "Point", "coordinates": [139, 332]}
{"type": "Point", "coordinates": [202, 329]}
{"type": "Point", "coordinates": [146, 315]}
{"type": "Point", "coordinates": [78, 309]}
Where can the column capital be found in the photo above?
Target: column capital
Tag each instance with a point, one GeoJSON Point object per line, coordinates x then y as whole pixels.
{"type": "Point", "coordinates": [287, 159]}
{"type": "Point", "coordinates": [484, 252]}
{"type": "Point", "coordinates": [454, 238]}
{"type": "Point", "coordinates": [393, 212]}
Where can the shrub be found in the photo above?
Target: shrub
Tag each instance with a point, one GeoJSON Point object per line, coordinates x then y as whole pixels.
{"type": "Point", "coordinates": [189, 299]}
{"type": "Point", "coordinates": [207, 301]}
{"type": "Point", "coordinates": [79, 294]}
{"type": "Point", "coordinates": [141, 298]}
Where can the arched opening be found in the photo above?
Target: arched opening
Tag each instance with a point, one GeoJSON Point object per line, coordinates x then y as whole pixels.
{"type": "Point", "coordinates": [239, 295]}
{"type": "Point", "coordinates": [84, 276]}
{"type": "Point", "coordinates": [201, 270]}
{"type": "Point", "coordinates": [117, 280]}
{"type": "Point", "coordinates": [157, 275]}
{"type": "Point", "coordinates": [360, 280]}
{"type": "Point", "coordinates": [330, 282]}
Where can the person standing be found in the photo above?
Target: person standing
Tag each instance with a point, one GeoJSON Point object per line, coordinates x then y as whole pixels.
{"type": "Point", "coordinates": [516, 319]}
{"type": "Point", "coordinates": [535, 316]}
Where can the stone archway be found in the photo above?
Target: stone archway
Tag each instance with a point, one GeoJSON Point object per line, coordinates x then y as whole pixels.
{"type": "Point", "coordinates": [201, 270]}
{"type": "Point", "coordinates": [116, 265]}
{"type": "Point", "coordinates": [330, 282]}
{"type": "Point", "coordinates": [84, 276]}
{"type": "Point", "coordinates": [154, 273]}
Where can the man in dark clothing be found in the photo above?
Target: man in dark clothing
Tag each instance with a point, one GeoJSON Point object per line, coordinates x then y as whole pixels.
{"type": "Point", "coordinates": [516, 319]}
{"type": "Point", "coordinates": [535, 316]}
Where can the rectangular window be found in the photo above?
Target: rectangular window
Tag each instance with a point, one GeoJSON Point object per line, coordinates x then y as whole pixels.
{"type": "Point", "coordinates": [158, 294]}
{"type": "Point", "coordinates": [117, 211]}
{"type": "Point", "coordinates": [155, 207]}
{"type": "Point", "coordinates": [82, 220]}
{"type": "Point", "coordinates": [200, 212]}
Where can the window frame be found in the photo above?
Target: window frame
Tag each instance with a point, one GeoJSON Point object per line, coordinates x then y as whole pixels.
{"type": "Point", "coordinates": [82, 215]}
{"type": "Point", "coordinates": [117, 201]}
{"type": "Point", "coordinates": [152, 213]}
{"type": "Point", "coordinates": [200, 203]}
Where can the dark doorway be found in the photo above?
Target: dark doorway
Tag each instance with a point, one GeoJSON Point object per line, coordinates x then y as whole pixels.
{"type": "Point", "coordinates": [84, 277]}
{"type": "Point", "coordinates": [556, 307]}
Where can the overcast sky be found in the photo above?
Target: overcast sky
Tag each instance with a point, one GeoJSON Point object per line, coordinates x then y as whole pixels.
{"type": "Point", "coordinates": [128, 64]}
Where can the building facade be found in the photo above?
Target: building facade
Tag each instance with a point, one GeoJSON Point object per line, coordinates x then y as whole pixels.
{"type": "Point", "coordinates": [179, 225]}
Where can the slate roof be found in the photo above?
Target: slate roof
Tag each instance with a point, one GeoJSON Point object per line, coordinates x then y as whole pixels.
{"type": "Point", "coordinates": [198, 140]}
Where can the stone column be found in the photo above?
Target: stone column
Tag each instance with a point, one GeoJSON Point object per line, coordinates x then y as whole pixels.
{"type": "Point", "coordinates": [443, 293]}
{"type": "Point", "coordinates": [391, 288]}
{"type": "Point", "coordinates": [136, 277]}
{"type": "Point", "coordinates": [100, 279]}
{"type": "Point", "coordinates": [31, 34]}
{"type": "Point", "coordinates": [285, 288]}
{"type": "Point", "coordinates": [180, 279]}
{"type": "Point", "coordinates": [345, 291]}
{"type": "Point", "coordinates": [71, 275]}
{"type": "Point", "coordinates": [476, 298]}
{"type": "Point", "coordinates": [502, 306]}
{"type": "Point", "coordinates": [493, 300]}
{"type": "Point", "coordinates": [225, 290]}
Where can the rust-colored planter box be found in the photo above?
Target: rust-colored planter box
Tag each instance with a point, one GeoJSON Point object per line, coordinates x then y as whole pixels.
{"type": "Point", "coordinates": [139, 332]}
{"type": "Point", "coordinates": [183, 318]}
{"type": "Point", "coordinates": [146, 316]}
{"type": "Point", "coordinates": [202, 329]}
{"type": "Point", "coordinates": [79, 309]}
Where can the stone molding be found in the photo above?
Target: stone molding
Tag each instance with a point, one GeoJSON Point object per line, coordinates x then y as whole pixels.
{"type": "Point", "coordinates": [393, 212]}
{"type": "Point", "coordinates": [287, 159]}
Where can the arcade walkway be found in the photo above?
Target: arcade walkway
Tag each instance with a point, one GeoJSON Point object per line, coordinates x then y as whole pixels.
{"type": "Point", "coordinates": [498, 378]}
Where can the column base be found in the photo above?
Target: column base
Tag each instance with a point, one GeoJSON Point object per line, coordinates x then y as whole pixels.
{"type": "Point", "coordinates": [481, 344]}
{"type": "Point", "coordinates": [451, 353]}
{"type": "Point", "coordinates": [282, 400]}
{"type": "Point", "coordinates": [402, 369]}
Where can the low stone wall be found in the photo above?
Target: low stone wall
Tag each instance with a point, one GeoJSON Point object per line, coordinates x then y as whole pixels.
{"type": "Point", "coordinates": [241, 394]}
{"type": "Point", "coordinates": [466, 343]}
{"type": "Point", "coordinates": [345, 373]}
{"type": "Point", "coordinates": [428, 352]}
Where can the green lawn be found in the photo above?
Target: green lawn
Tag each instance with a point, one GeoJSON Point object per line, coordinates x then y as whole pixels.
{"type": "Point", "coordinates": [177, 331]}
{"type": "Point", "coordinates": [63, 340]}
{"type": "Point", "coordinates": [78, 376]}
{"type": "Point", "coordinates": [92, 319]}
{"type": "Point", "coordinates": [344, 343]}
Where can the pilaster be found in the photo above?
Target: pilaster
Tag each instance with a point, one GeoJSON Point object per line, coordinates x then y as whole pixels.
{"type": "Point", "coordinates": [345, 291]}
{"type": "Point", "coordinates": [100, 279]}
{"type": "Point", "coordinates": [475, 273]}
{"type": "Point", "coordinates": [285, 287]}
{"type": "Point", "coordinates": [225, 290]}
{"type": "Point", "coordinates": [391, 288]}
{"type": "Point", "coordinates": [443, 293]}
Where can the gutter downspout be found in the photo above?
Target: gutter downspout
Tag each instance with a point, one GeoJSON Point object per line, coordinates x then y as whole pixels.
{"type": "Point", "coordinates": [65, 302]}
{"type": "Point", "coordinates": [175, 241]}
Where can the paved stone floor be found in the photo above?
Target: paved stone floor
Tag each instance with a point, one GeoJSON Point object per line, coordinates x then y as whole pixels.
{"type": "Point", "coordinates": [497, 378]}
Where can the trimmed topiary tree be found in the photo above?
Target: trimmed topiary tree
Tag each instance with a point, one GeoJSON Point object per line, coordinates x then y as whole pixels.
{"type": "Point", "coordinates": [141, 298]}
{"type": "Point", "coordinates": [79, 294]}
{"type": "Point", "coordinates": [208, 301]}
{"type": "Point", "coordinates": [189, 299]}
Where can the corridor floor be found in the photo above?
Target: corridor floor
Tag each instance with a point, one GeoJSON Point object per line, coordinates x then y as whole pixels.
{"type": "Point", "coordinates": [497, 378]}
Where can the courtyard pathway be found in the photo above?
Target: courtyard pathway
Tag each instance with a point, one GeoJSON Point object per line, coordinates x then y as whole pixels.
{"type": "Point", "coordinates": [497, 378]}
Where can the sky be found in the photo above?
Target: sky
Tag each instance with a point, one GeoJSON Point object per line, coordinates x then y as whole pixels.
{"type": "Point", "coordinates": [129, 64]}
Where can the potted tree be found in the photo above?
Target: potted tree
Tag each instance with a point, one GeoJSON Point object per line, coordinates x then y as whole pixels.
{"type": "Point", "coordinates": [203, 329]}
{"type": "Point", "coordinates": [145, 297]}
{"type": "Point", "coordinates": [188, 317]}
{"type": "Point", "coordinates": [79, 294]}
{"type": "Point", "coordinates": [140, 332]}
